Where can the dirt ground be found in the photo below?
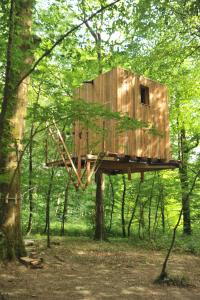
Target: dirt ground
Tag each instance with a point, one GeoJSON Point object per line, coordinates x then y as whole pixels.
{"type": "Point", "coordinates": [77, 268]}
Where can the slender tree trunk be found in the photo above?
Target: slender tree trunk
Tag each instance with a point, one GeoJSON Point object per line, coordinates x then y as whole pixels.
{"type": "Point", "coordinates": [99, 219]}
{"type": "Point", "coordinates": [47, 226]}
{"type": "Point", "coordinates": [141, 222]}
{"type": "Point", "coordinates": [12, 116]}
{"type": "Point", "coordinates": [184, 178]}
{"type": "Point", "coordinates": [149, 217]}
{"type": "Point", "coordinates": [30, 186]}
{"type": "Point", "coordinates": [113, 203]}
{"type": "Point", "coordinates": [133, 211]}
{"type": "Point", "coordinates": [64, 214]}
{"type": "Point", "coordinates": [163, 275]}
{"type": "Point", "coordinates": [156, 216]}
{"type": "Point", "coordinates": [186, 215]}
{"type": "Point", "coordinates": [162, 206]}
{"type": "Point", "coordinates": [96, 34]}
{"type": "Point", "coordinates": [150, 204]}
{"type": "Point", "coordinates": [99, 54]}
{"type": "Point", "coordinates": [123, 208]}
{"type": "Point", "coordinates": [48, 199]}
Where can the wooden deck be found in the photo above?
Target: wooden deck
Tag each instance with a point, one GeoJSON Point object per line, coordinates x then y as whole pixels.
{"type": "Point", "coordinates": [113, 165]}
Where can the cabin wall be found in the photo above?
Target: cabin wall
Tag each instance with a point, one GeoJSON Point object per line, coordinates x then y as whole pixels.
{"type": "Point", "coordinates": [140, 142]}
{"type": "Point", "coordinates": [103, 90]}
{"type": "Point", "coordinates": [119, 90]}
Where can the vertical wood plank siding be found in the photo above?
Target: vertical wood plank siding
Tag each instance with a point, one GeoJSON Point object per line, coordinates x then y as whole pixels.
{"type": "Point", "coordinates": [119, 90]}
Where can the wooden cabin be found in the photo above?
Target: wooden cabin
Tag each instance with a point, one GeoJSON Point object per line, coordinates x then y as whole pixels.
{"type": "Point", "coordinates": [139, 97]}
{"type": "Point", "coordinates": [113, 153]}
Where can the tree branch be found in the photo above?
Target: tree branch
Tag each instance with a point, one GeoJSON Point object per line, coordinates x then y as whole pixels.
{"type": "Point", "coordinates": [193, 184]}
{"type": "Point", "coordinates": [93, 33]}
{"type": "Point", "coordinates": [62, 37]}
{"type": "Point", "coordinates": [196, 140]}
{"type": "Point", "coordinates": [163, 274]}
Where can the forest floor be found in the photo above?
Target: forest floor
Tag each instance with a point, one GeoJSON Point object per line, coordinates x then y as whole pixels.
{"type": "Point", "coordinates": [79, 268]}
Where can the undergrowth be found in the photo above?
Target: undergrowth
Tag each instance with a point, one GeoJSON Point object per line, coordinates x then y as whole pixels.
{"type": "Point", "coordinates": [160, 242]}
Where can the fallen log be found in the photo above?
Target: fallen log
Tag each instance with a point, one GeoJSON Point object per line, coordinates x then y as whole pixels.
{"type": "Point", "coordinates": [34, 263]}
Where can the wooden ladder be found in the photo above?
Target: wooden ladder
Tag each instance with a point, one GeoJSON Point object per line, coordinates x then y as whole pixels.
{"type": "Point", "coordinates": [66, 158]}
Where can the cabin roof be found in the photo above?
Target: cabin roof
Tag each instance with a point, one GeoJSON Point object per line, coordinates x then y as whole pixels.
{"type": "Point", "coordinates": [130, 72]}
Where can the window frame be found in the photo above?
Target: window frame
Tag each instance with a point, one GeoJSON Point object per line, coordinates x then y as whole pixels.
{"type": "Point", "coordinates": [144, 95]}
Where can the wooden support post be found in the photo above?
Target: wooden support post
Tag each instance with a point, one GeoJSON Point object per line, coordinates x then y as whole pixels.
{"type": "Point", "coordinates": [87, 140]}
{"type": "Point", "coordinates": [79, 155]}
{"type": "Point", "coordinates": [88, 166]}
{"type": "Point", "coordinates": [7, 198]}
{"type": "Point", "coordinates": [142, 176]}
{"type": "Point", "coordinates": [129, 174]}
{"type": "Point", "coordinates": [99, 218]}
{"type": "Point", "coordinates": [46, 150]}
{"type": "Point", "coordinates": [79, 166]}
{"type": "Point", "coordinates": [103, 138]}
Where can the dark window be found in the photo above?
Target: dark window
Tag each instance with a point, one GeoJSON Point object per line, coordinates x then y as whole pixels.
{"type": "Point", "coordinates": [144, 94]}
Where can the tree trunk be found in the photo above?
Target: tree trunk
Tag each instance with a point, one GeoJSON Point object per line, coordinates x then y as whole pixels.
{"type": "Point", "coordinates": [48, 209]}
{"type": "Point", "coordinates": [48, 199]}
{"type": "Point", "coordinates": [30, 185]}
{"type": "Point", "coordinates": [150, 204]}
{"type": "Point", "coordinates": [134, 210]}
{"type": "Point", "coordinates": [113, 203]}
{"type": "Point", "coordinates": [162, 207]}
{"type": "Point", "coordinates": [12, 116]}
{"type": "Point", "coordinates": [96, 34]}
{"type": "Point", "coordinates": [141, 222]}
{"type": "Point", "coordinates": [65, 208]}
{"type": "Point", "coordinates": [184, 179]}
{"type": "Point", "coordinates": [163, 275]}
{"type": "Point", "coordinates": [99, 219]}
{"type": "Point", "coordinates": [156, 217]}
{"type": "Point", "coordinates": [123, 208]}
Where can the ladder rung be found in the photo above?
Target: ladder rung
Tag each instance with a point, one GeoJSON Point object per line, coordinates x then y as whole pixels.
{"type": "Point", "coordinates": [58, 138]}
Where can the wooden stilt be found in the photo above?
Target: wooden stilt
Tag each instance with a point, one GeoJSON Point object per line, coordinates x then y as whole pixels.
{"type": "Point", "coordinates": [88, 166]}
{"type": "Point", "coordinates": [129, 174]}
{"type": "Point", "coordinates": [46, 151]}
{"type": "Point", "coordinates": [103, 138]}
{"type": "Point", "coordinates": [79, 165]}
{"type": "Point", "coordinates": [142, 176]}
{"type": "Point", "coordinates": [79, 155]}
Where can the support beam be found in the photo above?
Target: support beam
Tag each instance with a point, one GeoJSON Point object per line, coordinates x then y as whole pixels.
{"type": "Point", "coordinates": [129, 174]}
{"type": "Point", "coordinates": [142, 176]}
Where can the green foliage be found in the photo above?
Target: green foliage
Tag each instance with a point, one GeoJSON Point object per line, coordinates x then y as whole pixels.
{"type": "Point", "coordinates": [4, 178]}
{"type": "Point", "coordinates": [159, 39]}
{"type": "Point", "coordinates": [151, 38]}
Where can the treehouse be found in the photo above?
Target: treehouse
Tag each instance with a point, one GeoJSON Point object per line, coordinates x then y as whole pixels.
{"type": "Point", "coordinates": [112, 151]}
